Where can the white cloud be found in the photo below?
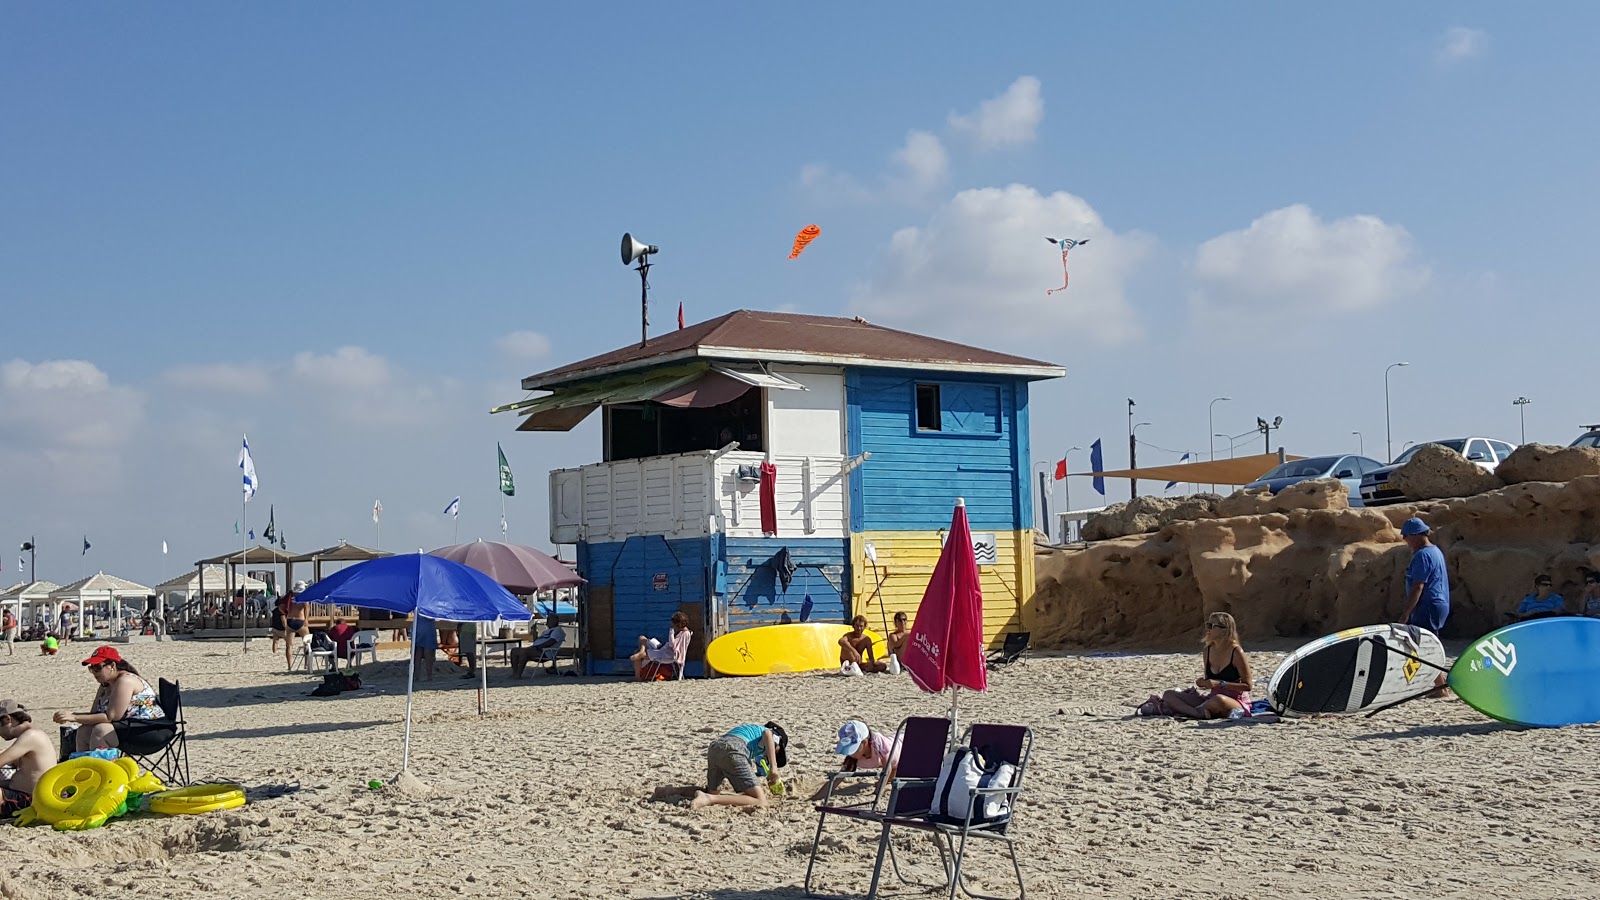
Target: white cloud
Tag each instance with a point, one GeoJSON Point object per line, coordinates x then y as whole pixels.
{"type": "Point", "coordinates": [225, 378]}
{"type": "Point", "coordinates": [524, 345]}
{"type": "Point", "coordinates": [65, 420]}
{"type": "Point", "coordinates": [347, 367]}
{"type": "Point", "coordinates": [980, 268]}
{"type": "Point", "coordinates": [1011, 118]}
{"type": "Point", "coordinates": [924, 160]}
{"type": "Point", "coordinates": [1459, 44]}
{"type": "Point", "coordinates": [1291, 261]}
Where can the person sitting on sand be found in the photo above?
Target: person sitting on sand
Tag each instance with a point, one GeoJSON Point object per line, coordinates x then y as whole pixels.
{"type": "Point", "coordinates": [855, 650]}
{"type": "Point", "coordinates": [863, 748]}
{"type": "Point", "coordinates": [897, 642]}
{"type": "Point", "coordinates": [736, 758]}
{"type": "Point", "coordinates": [29, 755]}
{"type": "Point", "coordinates": [123, 695]}
{"type": "Point", "coordinates": [1227, 678]}
{"type": "Point", "coordinates": [1589, 600]}
{"type": "Point", "coordinates": [554, 636]}
{"type": "Point", "coordinates": [1541, 604]}
{"type": "Point", "coordinates": [662, 654]}
{"type": "Point", "coordinates": [50, 646]}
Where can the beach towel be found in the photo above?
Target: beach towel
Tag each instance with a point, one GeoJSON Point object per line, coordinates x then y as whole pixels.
{"type": "Point", "coordinates": [769, 501]}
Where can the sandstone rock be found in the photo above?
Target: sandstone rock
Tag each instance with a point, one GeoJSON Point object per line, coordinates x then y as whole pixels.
{"type": "Point", "coordinates": [1543, 462]}
{"type": "Point", "coordinates": [1143, 515]}
{"type": "Point", "coordinates": [1308, 572]}
{"type": "Point", "coordinates": [1436, 471]}
{"type": "Point", "coordinates": [1318, 493]}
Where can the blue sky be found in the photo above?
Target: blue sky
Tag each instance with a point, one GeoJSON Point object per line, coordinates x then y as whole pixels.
{"type": "Point", "coordinates": [349, 230]}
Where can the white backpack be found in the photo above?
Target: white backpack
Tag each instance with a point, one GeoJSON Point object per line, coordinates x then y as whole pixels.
{"type": "Point", "coordinates": [962, 773]}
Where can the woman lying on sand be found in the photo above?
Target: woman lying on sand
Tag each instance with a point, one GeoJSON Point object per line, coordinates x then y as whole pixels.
{"type": "Point", "coordinates": [1227, 677]}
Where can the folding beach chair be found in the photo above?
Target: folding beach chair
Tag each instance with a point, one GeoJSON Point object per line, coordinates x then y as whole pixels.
{"type": "Point", "coordinates": [651, 671]}
{"type": "Point", "coordinates": [997, 743]}
{"type": "Point", "coordinates": [922, 744]}
{"type": "Point", "coordinates": [161, 745]}
{"type": "Point", "coordinates": [1016, 643]}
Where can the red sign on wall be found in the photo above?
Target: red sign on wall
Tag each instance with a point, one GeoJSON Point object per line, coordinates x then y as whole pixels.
{"type": "Point", "coordinates": [660, 581]}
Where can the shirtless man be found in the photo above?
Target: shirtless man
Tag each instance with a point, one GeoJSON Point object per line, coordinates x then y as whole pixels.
{"type": "Point", "coordinates": [29, 755]}
{"type": "Point", "coordinates": [898, 637]}
{"type": "Point", "coordinates": [855, 650]}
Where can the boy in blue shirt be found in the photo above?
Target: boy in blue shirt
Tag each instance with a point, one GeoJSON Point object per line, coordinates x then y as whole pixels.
{"type": "Point", "coordinates": [735, 757]}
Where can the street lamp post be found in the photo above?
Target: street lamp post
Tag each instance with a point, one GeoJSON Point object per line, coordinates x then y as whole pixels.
{"type": "Point", "coordinates": [1133, 433]}
{"type": "Point", "coordinates": [30, 547]}
{"type": "Point", "coordinates": [1265, 427]}
{"type": "Point", "coordinates": [1066, 488]}
{"type": "Point", "coordinates": [1133, 453]}
{"type": "Point", "coordinates": [1212, 455]}
{"type": "Point", "coordinates": [1521, 403]}
{"type": "Point", "coordinates": [1230, 443]}
{"type": "Point", "coordinates": [1361, 443]}
{"type": "Point", "coordinates": [1388, 433]}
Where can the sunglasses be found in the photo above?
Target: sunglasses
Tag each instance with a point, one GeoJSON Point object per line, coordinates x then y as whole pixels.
{"type": "Point", "coordinates": [1217, 625]}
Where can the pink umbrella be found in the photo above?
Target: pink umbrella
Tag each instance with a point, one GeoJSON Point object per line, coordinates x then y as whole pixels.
{"type": "Point", "coordinates": [946, 644]}
{"type": "Point", "coordinates": [519, 569]}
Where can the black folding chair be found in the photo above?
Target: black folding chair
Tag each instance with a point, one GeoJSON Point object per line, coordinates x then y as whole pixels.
{"type": "Point", "coordinates": [1016, 643]}
{"type": "Point", "coordinates": [922, 743]}
{"type": "Point", "coordinates": [161, 745]}
{"type": "Point", "coordinates": [998, 743]}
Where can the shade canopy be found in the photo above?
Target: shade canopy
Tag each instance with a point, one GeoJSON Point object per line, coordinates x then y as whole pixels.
{"type": "Point", "coordinates": [28, 592]}
{"type": "Point", "coordinates": [344, 551]}
{"type": "Point", "coordinates": [430, 586]}
{"type": "Point", "coordinates": [519, 569]}
{"type": "Point", "coordinates": [1240, 470]}
{"type": "Point", "coordinates": [210, 579]}
{"type": "Point", "coordinates": [100, 586]}
{"type": "Point", "coordinates": [694, 385]}
{"type": "Point", "coordinates": [257, 554]}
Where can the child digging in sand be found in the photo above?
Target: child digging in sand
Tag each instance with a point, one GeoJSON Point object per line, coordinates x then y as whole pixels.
{"type": "Point", "coordinates": [735, 758]}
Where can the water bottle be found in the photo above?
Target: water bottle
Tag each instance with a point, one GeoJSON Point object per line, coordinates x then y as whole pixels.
{"type": "Point", "coordinates": [1236, 714]}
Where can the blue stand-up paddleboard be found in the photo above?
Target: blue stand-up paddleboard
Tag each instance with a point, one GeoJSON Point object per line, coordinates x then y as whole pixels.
{"type": "Point", "coordinates": [1543, 673]}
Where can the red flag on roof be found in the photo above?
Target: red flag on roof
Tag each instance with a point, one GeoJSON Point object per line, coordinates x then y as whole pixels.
{"type": "Point", "coordinates": [680, 316]}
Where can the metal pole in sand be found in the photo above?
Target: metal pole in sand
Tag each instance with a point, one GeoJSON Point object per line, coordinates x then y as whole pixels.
{"type": "Point", "coordinates": [411, 677]}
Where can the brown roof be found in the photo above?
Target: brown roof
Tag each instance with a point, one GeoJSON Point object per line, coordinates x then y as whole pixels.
{"type": "Point", "coordinates": [790, 337]}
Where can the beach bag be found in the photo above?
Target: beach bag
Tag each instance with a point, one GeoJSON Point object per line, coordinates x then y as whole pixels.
{"type": "Point", "coordinates": [321, 641]}
{"type": "Point", "coordinates": [964, 771]}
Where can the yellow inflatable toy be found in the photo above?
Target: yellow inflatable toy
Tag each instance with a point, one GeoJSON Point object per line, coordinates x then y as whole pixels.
{"type": "Point", "coordinates": [83, 793]}
{"type": "Point", "coordinates": [196, 799]}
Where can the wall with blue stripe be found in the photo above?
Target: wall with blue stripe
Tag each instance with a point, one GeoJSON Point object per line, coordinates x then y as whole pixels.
{"type": "Point", "coordinates": [630, 568]}
{"type": "Point", "coordinates": [755, 596]}
{"type": "Point", "coordinates": [980, 452]}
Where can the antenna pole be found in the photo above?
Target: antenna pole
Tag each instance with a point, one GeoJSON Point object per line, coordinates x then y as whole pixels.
{"type": "Point", "coordinates": [644, 299]}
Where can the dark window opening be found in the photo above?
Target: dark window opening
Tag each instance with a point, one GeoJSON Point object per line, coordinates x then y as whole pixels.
{"type": "Point", "coordinates": [928, 415]}
{"type": "Point", "coordinates": [638, 430]}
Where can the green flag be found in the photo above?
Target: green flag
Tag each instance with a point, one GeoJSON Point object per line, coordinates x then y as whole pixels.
{"type": "Point", "coordinates": [507, 487]}
{"type": "Point", "coordinates": [235, 526]}
{"type": "Point", "coordinates": [270, 534]}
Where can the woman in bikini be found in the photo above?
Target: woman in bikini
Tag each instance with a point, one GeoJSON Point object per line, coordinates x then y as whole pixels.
{"type": "Point", "coordinates": [1226, 681]}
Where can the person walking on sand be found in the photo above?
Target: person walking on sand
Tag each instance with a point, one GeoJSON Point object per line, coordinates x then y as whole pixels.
{"type": "Point", "coordinates": [294, 621]}
{"type": "Point", "coordinates": [1427, 584]}
{"type": "Point", "coordinates": [736, 758]}
{"type": "Point", "coordinates": [427, 645]}
{"type": "Point", "coordinates": [10, 626]}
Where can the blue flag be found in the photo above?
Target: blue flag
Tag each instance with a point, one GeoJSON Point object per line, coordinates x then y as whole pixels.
{"type": "Point", "coordinates": [1183, 459]}
{"type": "Point", "coordinates": [1096, 464]}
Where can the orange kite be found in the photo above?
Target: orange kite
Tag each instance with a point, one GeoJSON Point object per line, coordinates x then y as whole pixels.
{"type": "Point", "coordinates": [806, 236]}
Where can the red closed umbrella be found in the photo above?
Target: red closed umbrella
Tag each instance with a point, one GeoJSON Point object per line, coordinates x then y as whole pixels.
{"type": "Point", "coordinates": [946, 644]}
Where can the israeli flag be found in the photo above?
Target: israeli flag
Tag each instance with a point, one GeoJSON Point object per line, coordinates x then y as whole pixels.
{"type": "Point", "coordinates": [454, 509]}
{"type": "Point", "coordinates": [248, 466]}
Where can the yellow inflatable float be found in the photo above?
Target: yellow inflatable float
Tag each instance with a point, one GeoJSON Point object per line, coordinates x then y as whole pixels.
{"type": "Point", "coordinates": [196, 799]}
{"type": "Point", "coordinates": [83, 793]}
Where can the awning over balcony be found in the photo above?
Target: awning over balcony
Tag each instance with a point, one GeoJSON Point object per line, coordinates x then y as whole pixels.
{"type": "Point", "coordinates": [1242, 470]}
{"type": "Point", "coordinates": [684, 387]}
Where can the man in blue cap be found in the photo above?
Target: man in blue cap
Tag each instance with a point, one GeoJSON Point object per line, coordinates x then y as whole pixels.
{"type": "Point", "coordinates": [1427, 583]}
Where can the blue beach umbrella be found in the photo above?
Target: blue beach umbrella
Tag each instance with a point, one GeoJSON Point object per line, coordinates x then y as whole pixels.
{"type": "Point", "coordinates": [426, 586]}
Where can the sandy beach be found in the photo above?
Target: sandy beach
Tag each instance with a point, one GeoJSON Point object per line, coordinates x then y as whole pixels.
{"type": "Point", "coordinates": [553, 793]}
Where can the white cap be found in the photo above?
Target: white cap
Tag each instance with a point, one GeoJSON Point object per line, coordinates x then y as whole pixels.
{"type": "Point", "coordinates": [298, 587]}
{"type": "Point", "coordinates": [851, 736]}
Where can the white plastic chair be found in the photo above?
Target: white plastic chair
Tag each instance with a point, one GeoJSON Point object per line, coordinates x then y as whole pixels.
{"type": "Point", "coordinates": [363, 642]}
{"type": "Point", "coordinates": [313, 656]}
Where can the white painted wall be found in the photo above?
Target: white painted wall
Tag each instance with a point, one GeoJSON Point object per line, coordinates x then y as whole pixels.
{"type": "Point", "coordinates": [809, 422]}
{"type": "Point", "coordinates": [810, 495]}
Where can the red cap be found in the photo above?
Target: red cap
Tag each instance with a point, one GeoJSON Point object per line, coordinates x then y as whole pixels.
{"type": "Point", "coordinates": [103, 654]}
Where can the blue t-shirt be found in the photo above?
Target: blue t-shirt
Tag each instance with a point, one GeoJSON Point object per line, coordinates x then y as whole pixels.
{"type": "Point", "coordinates": [752, 736]}
{"type": "Point", "coordinates": [1532, 604]}
{"type": "Point", "coordinates": [1427, 568]}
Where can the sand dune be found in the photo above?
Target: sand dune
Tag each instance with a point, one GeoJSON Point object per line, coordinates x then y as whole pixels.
{"type": "Point", "coordinates": [550, 795]}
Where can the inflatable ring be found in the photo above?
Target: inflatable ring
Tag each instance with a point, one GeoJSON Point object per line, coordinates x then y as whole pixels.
{"type": "Point", "coordinates": [197, 799]}
{"type": "Point", "coordinates": [79, 794]}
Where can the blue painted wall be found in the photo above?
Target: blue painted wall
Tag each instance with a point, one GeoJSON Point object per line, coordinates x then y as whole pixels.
{"type": "Point", "coordinates": [756, 597]}
{"type": "Point", "coordinates": [912, 480]}
{"type": "Point", "coordinates": [629, 568]}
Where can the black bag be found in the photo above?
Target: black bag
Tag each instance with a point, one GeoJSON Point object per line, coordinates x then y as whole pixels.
{"type": "Point", "coordinates": [321, 641]}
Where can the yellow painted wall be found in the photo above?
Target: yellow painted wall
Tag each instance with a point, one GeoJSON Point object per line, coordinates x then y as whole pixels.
{"type": "Point", "coordinates": [905, 564]}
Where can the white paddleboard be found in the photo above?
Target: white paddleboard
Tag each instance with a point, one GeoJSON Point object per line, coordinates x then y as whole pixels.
{"type": "Point", "coordinates": [1356, 669]}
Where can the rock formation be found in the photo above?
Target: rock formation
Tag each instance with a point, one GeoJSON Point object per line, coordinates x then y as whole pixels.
{"type": "Point", "coordinates": [1542, 462]}
{"type": "Point", "coordinates": [1436, 471]}
{"type": "Point", "coordinates": [1311, 571]}
{"type": "Point", "coordinates": [1142, 515]}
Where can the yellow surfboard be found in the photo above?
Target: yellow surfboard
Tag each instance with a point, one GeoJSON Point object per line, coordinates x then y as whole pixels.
{"type": "Point", "coordinates": [800, 647]}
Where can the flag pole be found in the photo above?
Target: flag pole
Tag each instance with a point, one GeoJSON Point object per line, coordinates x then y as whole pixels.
{"type": "Point", "coordinates": [244, 560]}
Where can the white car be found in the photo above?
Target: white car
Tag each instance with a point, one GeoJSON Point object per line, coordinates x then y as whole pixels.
{"type": "Point", "coordinates": [1486, 453]}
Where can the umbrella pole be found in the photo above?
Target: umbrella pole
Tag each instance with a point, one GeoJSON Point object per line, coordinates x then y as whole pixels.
{"type": "Point", "coordinates": [411, 676]}
{"type": "Point", "coordinates": [481, 660]}
{"type": "Point", "coordinates": [955, 728]}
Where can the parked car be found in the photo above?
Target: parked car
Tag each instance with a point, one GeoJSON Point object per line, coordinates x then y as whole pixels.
{"type": "Point", "coordinates": [1347, 469]}
{"type": "Point", "coordinates": [1590, 437]}
{"type": "Point", "coordinates": [1484, 452]}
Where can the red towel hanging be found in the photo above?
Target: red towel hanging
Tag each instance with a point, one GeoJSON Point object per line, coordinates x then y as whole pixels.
{"type": "Point", "coordinates": [769, 498]}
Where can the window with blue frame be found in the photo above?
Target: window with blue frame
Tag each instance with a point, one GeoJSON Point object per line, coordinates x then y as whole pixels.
{"type": "Point", "coordinates": [956, 408]}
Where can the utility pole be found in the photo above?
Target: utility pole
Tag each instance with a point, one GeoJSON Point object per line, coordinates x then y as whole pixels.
{"type": "Point", "coordinates": [29, 546]}
{"type": "Point", "coordinates": [1266, 428]}
{"type": "Point", "coordinates": [1133, 453]}
{"type": "Point", "coordinates": [1521, 403]}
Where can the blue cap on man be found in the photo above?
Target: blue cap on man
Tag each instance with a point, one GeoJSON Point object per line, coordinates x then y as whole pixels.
{"type": "Point", "coordinates": [1413, 526]}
